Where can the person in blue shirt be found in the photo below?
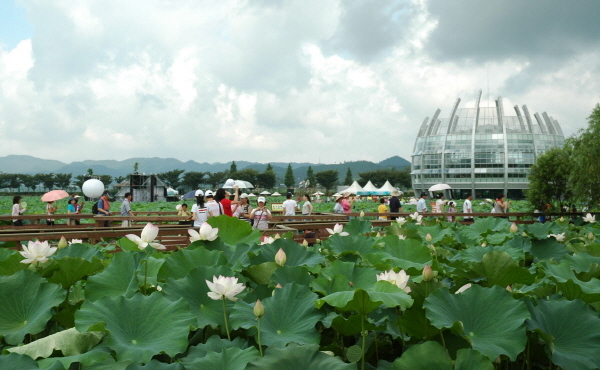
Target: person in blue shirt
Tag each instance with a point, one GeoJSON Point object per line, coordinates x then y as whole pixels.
{"type": "Point", "coordinates": [422, 203]}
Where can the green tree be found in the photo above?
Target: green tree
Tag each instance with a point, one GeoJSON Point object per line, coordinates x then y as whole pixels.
{"type": "Point", "coordinates": [118, 179]}
{"type": "Point", "coordinates": [379, 177]}
{"type": "Point", "coordinates": [549, 179]}
{"type": "Point", "coordinates": [310, 176]}
{"type": "Point", "coordinates": [348, 180]}
{"type": "Point", "coordinates": [63, 180]}
{"type": "Point", "coordinates": [90, 171]}
{"type": "Point", "coordinates": [79, 180]}
{"type": "Point", "coordinates": [216, 179]}
{"type": "Point", "coordinates": [233, 168]}
{"type": "Point", "coordinates": [327, 179]}
{"type": "Point", "coordinates": [136, 167]}
{"type": "Point", "coordinates": [14, 182]}
{"type": "Point", "coordinates": [106, 179]}
{"type": "Point", "coordinates": [584, 179]}
{"type": "Point", "coordinates": [171, 178]}
{"type": "Point", "coordinates": [193, 179]}
{"type": "Point", "coordinates": [269, 168]}
{"type": "Point", "coordinates": [247, 174]}
{"type": "Point", "coordinates": [266, 180]}
{"type": "Point", "coordinates": [289, 180]}
{"type": "Point", "coordinates": [29, 181]}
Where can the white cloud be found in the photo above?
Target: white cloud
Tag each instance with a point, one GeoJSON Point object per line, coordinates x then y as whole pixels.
{"type": "Point", "coordinates": [257, 80]}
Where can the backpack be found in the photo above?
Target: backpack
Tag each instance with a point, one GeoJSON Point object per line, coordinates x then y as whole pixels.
{"type": "Point", "coordinates": [95, 208]}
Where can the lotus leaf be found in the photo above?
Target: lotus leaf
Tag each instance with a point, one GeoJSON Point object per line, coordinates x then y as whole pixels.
{"type": "Point", "coordinates": [548, 249]}
{"type": "Point", "coordinates": [181, 262]}
{"type": "Point", "coordinates": [140, 330]}
{"type": "Point", "coordinates": [296, 254]}
{"type": "Point", "coordinates": [155, 365]}
{"type": "Point", "coordinates": [234, 231]}
{"type": "Point", "coordinates": [571, 330]}
{"type": "Point", "coordinates": [85, 251]}
{"type": "Point", "coordinates": [488, 318]}
{"type": "Point", "coordinates": [98, 354]}
{"type": "Point", "coordinates": [365, 301]}
{"type": "Point", "coordinates": [72, 269]}
{"type": "Point", "coordinates": [290, 274]}
{"type": "Point", "coordinates": [499, 269]}
{"type": "Point", "coordinates": [228, 359]}
{"type": "Point", "coordinates": [571, 286]}
{"type": "Point", "coordinates": [290, 316]}
{"type": "Point", "coordinates": [358, 227]}
{"type": "Point", "coordinates": [70, 342]}
{"type": "Point", "coordinates": [10, 262]}
{"type": "Point", "coordinates": [23, 362]}
{"type": "Point", "coordinates": [118, 279]}
{"type": "Point", "coordinates": [352, 244]}
{"type": "Point", "coordinates": [27, 300]}
{"type": "Point", "coordinates": [425, 356]}
{"type": "Point", "coordinates": [295, 357]}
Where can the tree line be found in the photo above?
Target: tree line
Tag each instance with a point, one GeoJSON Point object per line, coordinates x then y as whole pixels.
{"type": "Point", "coordinates": [178, 179]}
{"type": "Point", "coordinates": [569, 176]}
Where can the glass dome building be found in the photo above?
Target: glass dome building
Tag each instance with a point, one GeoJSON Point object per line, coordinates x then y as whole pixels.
{"type": "Point", "coordinates": [482, 150]}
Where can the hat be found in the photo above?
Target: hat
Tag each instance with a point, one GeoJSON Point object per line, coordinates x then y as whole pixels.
{"type": "Point", "coordinates": [198, 193]}
{"type": "Point", "coordinates": [209, 194]}
{"type": "Point", "coordinates": [346, 194]}
{"type": "Point", "coordinates": [339, 197]}
{"type": "Point", "coordinates": [244, 195]}
{"type": "Point", "coordinates": [261, 199]}
{"type": "Point", "coordinates": [76, 196]}
{"type": "Point", "coordinates": [395, 193]}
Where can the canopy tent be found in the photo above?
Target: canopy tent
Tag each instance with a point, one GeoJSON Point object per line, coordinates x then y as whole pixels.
{"type": "Point", "coordinates": [386, 189]}
{"type": "Point", "coordinates": [171, 192]}
{"type": "Point", "coordinates": [369, 189]}
{"type": "Point", "coordinates": [265, 193]}
{"type": "Point", "coordinates": [319, 193]}
{"type": "Point", "coordinates": [353, 189]}
{"type": "Point", "coordinates": [275, 194]}
{"type": "Point", "coordinates": [251, 195]}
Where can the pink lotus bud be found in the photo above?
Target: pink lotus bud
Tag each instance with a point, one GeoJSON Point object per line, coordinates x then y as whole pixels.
{"type": "Point", "coordinates": [427, 273]}
{"type": "Point", "coordinates": [591, 236]}
{"type": "Point", "coordinates": [62, 243]}
{"type": "Point", "coordinates": [514, 228]}
{"type": "Point", "coordinates": [428, 238]}
{"type": "Point", "coordinates": [305, 243]}
{"type": "Point", "coordinates": [259, 309]}
{"type": "Point", "coordinates": [278, 286]}
{"type": "Point", "coordinates": [280, 257]}
{"type": "Point", "coordinates": [509, 288]}
{"type": "Point", "coordinates": [277, 236]}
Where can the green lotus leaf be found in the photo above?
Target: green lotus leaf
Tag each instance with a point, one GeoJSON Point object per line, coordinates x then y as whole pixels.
{"type": "Point", "coordinates": [193, 289]}
{"type": "Point", "coordinates": [571, 330]}
{"type": "Point", "coordinates": [181, 262]}
{"type": "Point", "coordinates": [357, 226]}
{"type": "Point", "coordinates": [10, 262]}
{"type": "Point", "coordinates": [214, 344]}
{"type": "Point", "coordinates": [500, 269]}
{"type": "Point", "coordinates": [85, 251]}
{"type": "Point", "coordinates": [548, 249]}
{"type": "Point", "coordinates": [296, 254]}
{"type": "Point", "coordinates": [139, 330]}
{"type": "Point", "coordinates": [485, 226]}
{"type": "Point", "coordinates": [488, 318]}
{"type": "Point", "coordinates": [72, 269]}
{"type": "Point", "coordinates": [290, 316]}
{"type": "Point", "coordinates": [151, 272]}
{"type": "Point", "coordinates": [584, 264]}
{"type": "Point", "coordinates": [540, 230]}
{"type": "Point", "coordinates": [261, 274]}
{"type": "Point", "coordinates": [437, 233]}
{"type": "Point", "coordinates": [156, 365]}
{"type": "Point", "coordinates": [358, 276]}
{"type": "Point", "coordinates": [98, 354]}
{"type": "Point", "coordinates": [470, 359]}
{"type": "Point", "coordinates": [475, 254]}
{"type": "Point", "coordinates": [119, 278]}
{"type": "Point", "coordinates": [70, 342]}
{"type": "Point", "coordinates": [22, 362]}
{"type": "Point", "coordinates": [496, 239]}
{"type": "Point", "coordinates": [347, 326]}
{"type": "Point", "coordinates": [351, 244]}
{"type": "Point", "coordinates": [234, 231]}
{"type": "Point", "coordinates": [227, 359]}
{"type": "Point", "coordinates": [108, 364]}
{"type": "Point", "coordinates": [520, 243]}
{"type": "Point", "coordinates": [409, 254]}
{"type": "Point", "coordinates": [27, 301]}
{"type": "Point", "coordinates": [237, 255]}
{"type": "Point", "coordinates": [336, 283]}
{"type": "Point", "coordinates": [295, 357]}
{"type": "Point", "coordinates": [571, 286]}
{"type": "Point", "coordinates": [363, 302]}
{"type": "Point", "coordinates": [413, 319]}
{"type": "Point", "coordinates": [290, 274]}
{"type": "Point", "coordinates": [426, 356]}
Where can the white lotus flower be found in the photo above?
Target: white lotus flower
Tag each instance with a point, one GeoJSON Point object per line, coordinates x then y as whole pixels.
{"type": "Point", "coordinates": [399, 279]}
{"type": "Point", "coordinates": [207, 232]}
{"type": "Point", "coordinates": [463, 288]}
{"type": "Point", "coordinates": [401, 237]}
{"type": "Point", "coordinates": [37, 251]}
{"type": "Point", "coordinates": [224, 287]}
{"type": "Point", "coordinates": [559, 237]}
{"type": "Point", "coordinates": [75, 241]}
{"type": "Point", "coordinates": [267, 240]}
{"type": "Point", "coordinates": [337, 229]}
{"type": "Point", "coordinates": [149, 233]}
{"type": "Point", "coordinates": [589, 218]}
{"type": "Point", "coordinates": [401, 221]}
{"type": "Point", "coordinates": [414, 216]}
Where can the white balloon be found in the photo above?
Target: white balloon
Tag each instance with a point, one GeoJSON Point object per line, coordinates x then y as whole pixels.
{"type": "Point", "coordinates": [92, 188]}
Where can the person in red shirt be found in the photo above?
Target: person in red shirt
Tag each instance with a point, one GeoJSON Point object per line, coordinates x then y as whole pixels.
{"type": "Point", "coordinates": [222, 196]}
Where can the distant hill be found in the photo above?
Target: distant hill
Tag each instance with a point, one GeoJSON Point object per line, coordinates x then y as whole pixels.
{"type": "Point", "coordinates": [32, 165]}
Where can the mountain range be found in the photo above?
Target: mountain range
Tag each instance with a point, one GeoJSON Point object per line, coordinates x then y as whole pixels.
{"type": "Point", "coordinates": [31, 165]}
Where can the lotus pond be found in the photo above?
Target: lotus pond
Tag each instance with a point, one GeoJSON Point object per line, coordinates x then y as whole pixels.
{"type": "Point", "coordinates": [495, 298]}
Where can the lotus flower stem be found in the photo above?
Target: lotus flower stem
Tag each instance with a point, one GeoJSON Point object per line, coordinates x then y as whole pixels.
{"type": "Point", "coordinates": [364, 340]}
{"type": "Point", "coordinates": [258, 338]}
{"type": "Point", "coordinates": [145, 274]}
{"type": "Point", "coordinates": [400, 328]}
{"type": "Point", "coordinates": [225, 318]}
{"type": "Point", "coordinates": [443, 340]}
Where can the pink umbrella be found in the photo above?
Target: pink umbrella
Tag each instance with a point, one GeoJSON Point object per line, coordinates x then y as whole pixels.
{"type": "Point", "coordinates": [53, 195]}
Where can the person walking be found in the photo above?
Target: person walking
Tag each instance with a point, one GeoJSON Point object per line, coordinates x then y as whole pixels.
{"type": "Point", "coordinates": [422, 203]}
{"type": "Point", "coordinates": [104, 207]}
{"type": "Point", "coordinates": [199, 210]}
{"type": "Point", "coordinates": [289, 206]}
{"type": "Point", "coordinates": [501, 206]}
{"type": "Point", "coordinates": [382, 208]}
{"type": "Point", "coordinates": [307, 207]}
{"type": "Point", "coordinates": [213, 208]}
{"type": "Point", "coordinates": [50, 209]}
{"type": "Point", "coordinates": [126, 209]}
{"type": "Point", "coordinates": [17, 210]}
{"type": "Point", "coordinates": [395, 203]}
{"type": "Point", "coordinates": [439, 204]}
{"type": "Point", "coordinates": [468, 208]}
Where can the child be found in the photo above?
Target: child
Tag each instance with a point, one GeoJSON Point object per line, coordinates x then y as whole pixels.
{"type": "Point", "coordinates": [382, 209]}
{"type": "Point", "coordinates": [451, 209]}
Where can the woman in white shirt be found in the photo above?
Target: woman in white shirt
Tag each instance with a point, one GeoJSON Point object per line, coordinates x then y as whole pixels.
{"type": "Point", "coordinates": [261, 215]}
{"type": "Point", "coordinates": [17, 210]}
{"type": "Point", "coordinates": [307, 207]}
{"type": "Point", "coordinates": [199, 212]}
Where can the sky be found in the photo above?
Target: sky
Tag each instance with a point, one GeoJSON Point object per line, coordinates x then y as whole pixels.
{"type": "Point", "coordinates": [320, 81]}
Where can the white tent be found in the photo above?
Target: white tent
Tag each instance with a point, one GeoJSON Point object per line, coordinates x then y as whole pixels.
{"type": "Point", "coordinates": [265, 193]}
{"type": "Point", "coordinates": [275, 194]}
{"type": "Point", "coordinates": [386, 189]}
{"type": "Point", "coordinates": [368, 189]}
{"type": "Point", "coordinates": [251, 195]}
{"type": "Point", "coordinates": [353, 189]}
